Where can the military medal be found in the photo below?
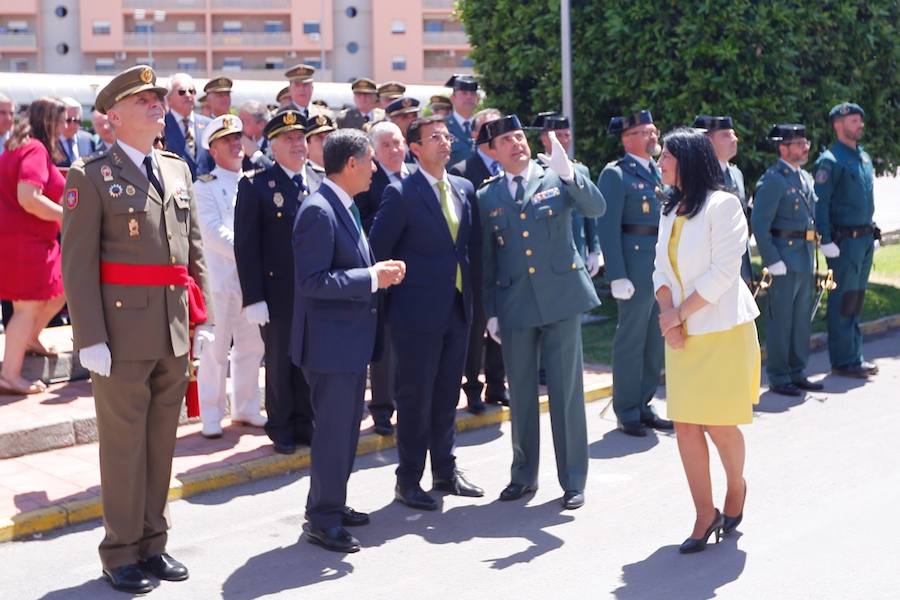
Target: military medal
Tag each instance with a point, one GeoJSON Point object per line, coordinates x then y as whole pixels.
{"type": "Point", "coordinates": [500, 241]}
{"type": "Point", "coordinates": [115, 190]}
{"type": "Point", "coordinates": [645, 207]}
{"type": "Point", "coordinates": [134, 229]}
{"type": "Point", "coordinates": [106, 172]}
{"type": "Point", "coordinates": [129, 190]}
{"type": "Point", "coordinates": [271, 184]}
{"type": "Point", "coordinates": [278, 199]}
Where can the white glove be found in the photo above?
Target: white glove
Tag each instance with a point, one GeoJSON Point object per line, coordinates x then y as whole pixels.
{"type": "Point", "coordinates": [493, 329]}
{"type": "Point", "coordinates": [777, 269]}
{"type": "Point", "coordinates": [831, 250]}
{"type": "Point", "coordinates": [96, 359]}
{"type": "Point", "coordinates": [558, 161]}
{"type": "Point", "coordinates": [876, 245]}
{"type": "Point", "coordinates": [622, 289]}
{"type": "Point", "coordinates": [203, 335]}
{"type": "Point", "coordinates": [592, 264]}
{"type": "Point", "coordinates": [257, 313]}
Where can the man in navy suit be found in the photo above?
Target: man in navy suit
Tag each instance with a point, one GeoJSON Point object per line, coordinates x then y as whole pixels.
{"type": "Point", "coordinates": [426, 221]}
{"type": "Point", "coordinates": [334, 330]}
{"type": "Point", "coordinates": [184, 128]}
{"type": "Point", "coordinates": [74, 141]}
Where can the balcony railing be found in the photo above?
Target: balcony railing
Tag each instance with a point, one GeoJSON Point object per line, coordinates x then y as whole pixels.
{"type": "Point", "coordinates": [441, 4]}
{"type": "Point", "coordinates": [162, 39]}
{"type": "Point", "coordinates": [446, 38]}
{"type": "Point", "coordinates": [442, 74]}
{"type": "Point", "coordinates": [265, 74]}
{"type": "Point", "coordinates": [164, 4]}
{"type": "Point", "coordinates": [18, 40]}
{"type": "Point", "coordinates": [255, 4]}
{"type": "Point", "coordinates": [250, 39]}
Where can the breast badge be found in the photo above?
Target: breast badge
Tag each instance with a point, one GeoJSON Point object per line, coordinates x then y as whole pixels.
{"type": "Point", "coordinates": [134, 228]}
{"type": "Point", "coordinates": [115, 190]}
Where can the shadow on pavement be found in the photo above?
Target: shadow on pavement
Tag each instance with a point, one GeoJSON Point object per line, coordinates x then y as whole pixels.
{"type": "Point", "coordinates": [95, 589]}
{"type": "Point", "coordinates": [668, 575]}
{"type": "Point", "coordinates": [615, 444]}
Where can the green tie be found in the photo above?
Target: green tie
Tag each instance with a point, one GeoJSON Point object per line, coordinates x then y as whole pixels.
{"type": "Point", "coordinates": [452, 223]}
{"type": "Point", "coordinates": [355, 210]}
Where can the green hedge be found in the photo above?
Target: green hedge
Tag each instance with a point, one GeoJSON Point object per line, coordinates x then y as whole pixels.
{"type": "Point", "coordinates": [760, 62]}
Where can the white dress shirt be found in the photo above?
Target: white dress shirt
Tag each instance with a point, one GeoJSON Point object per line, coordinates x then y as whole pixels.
{"type": "Point", "coordinates": [347, 201]}
{"type": "Point", "coordinates": [526, 175]}
{"type": "Point", "coordinates": [644, 162]}
{"type": "Point", "coordinates": [137, 157]}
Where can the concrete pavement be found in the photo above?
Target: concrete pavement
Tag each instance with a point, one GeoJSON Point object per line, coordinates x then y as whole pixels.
{"type": "Point", "coordinates": [823, 479]}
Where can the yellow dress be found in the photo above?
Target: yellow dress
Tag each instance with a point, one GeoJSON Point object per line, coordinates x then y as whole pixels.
{"type": "Point", "coordinates": [714, 379]}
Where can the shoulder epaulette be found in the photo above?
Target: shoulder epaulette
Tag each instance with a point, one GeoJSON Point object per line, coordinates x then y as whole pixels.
{"type": "Point", "coordinates": [206, 177]}
{"type": "Point", "coordinates": [169, 154]}
{"type": "Point", "coordinates": [490, 179]}
{"type": "Point", "coordinates": [92, 157]}
{"type": "Point", "coordinates": [254, 172]}
{"type": "Point", "coordinates": [316, 168]}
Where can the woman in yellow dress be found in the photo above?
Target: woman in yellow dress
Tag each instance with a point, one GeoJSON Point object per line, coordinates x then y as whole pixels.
{"type": "Point", "coordinates": [707, 317]}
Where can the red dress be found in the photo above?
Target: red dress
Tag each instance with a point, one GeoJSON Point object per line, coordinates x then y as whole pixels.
{"type": "Point", "coordinates": [29, 249]}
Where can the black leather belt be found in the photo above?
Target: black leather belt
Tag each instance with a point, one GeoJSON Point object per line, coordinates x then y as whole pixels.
{"type": "Point", "coordinates": [808, 234]}
{"type": "Point", "coordinates": [640, 229]}
{"type": "Point", "coordinates": [839, 233]}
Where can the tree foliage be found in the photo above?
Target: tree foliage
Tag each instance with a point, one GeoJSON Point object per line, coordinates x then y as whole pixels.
{"type": "Point", "coordinates": [760, 62]}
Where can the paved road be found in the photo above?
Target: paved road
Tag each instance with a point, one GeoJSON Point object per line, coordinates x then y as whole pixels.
{"type": "Point", "coordinates": [824, 487]}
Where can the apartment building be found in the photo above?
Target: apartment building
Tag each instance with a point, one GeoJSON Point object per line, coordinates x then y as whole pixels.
{"type": "Point", "coordinates": [416, 41]}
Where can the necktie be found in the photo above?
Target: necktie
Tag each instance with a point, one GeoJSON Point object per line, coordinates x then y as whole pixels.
{"type": "Point", "coordinates": [729, 182]}
{"type": "Point", "coordinates": [148, 166]}
{"type": "Point", "coordinates": [495, 168]}
{"type": "Point", "coordinates": [467, 128]}
{"type": "Point", "coordinates": [298, 181]}
{"type": "Point", "coordinates": [452, 222]}
{"type": "Point", "coordinates": [357, 218]}
{"type": "Point", "coordinates": [189, 137]}
{"type": "Point", "coordinates": [70, 144]}
{"type": "Point", "coordinates": [520, 189]}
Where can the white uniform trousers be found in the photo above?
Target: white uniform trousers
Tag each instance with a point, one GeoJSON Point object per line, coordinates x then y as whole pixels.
{"type": "Point", "coordinates": [246, 358]}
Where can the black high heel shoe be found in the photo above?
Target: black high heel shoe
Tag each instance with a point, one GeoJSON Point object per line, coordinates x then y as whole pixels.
{"type": "Point", "coordinates": [731, 523]}
{"type": "Point", "coordinates": [692, 545]}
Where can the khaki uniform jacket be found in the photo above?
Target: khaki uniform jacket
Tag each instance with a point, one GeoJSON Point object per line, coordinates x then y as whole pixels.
{"type": "Point", "coordinates": [112, 213]}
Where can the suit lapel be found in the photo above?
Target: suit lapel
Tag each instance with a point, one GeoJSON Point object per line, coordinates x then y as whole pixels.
{"type": "Point", "coordinates": [431, 201]}
{"type": "Point", "coordinates": [343, 215]}
{"type": "Point", "coordinates": [464, 216]}
{"type": "Point", "coordinates": [128, 171]}
{"type": "Point", "coordinates": [534, 182]}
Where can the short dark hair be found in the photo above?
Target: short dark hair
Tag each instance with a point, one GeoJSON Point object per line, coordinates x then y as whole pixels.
{"type": "Point", "coordinates": [340, 146]}
{"type": "Point", "coordinates": [414, 133]}
{"type": "Point", "coordinates": [698, 170]}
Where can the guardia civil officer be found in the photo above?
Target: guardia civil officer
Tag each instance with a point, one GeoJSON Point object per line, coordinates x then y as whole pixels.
{"type": "Point", "coordinates": [535, 290]}
{"type": "Point", "coordinates": [267, 203]}
{"type": "Point", "coordinates": [784, 223]}
{"type": "Point", "coordinates": [720, 131]}
{"type": "Point", "coordinates": [134, 272]}
{"type": "Point", "coordinates": [631, 187]}
{"type": "Point", "coordinates": [844, 185]}
{"type": "Point", "coordinates": [464, 99]}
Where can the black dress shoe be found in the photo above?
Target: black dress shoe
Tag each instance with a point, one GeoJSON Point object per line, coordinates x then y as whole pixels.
{"type": "Point", "coordinates": [806, 384]}
{"type": "Point", "coordinates": [633, 429]}
{"type": "Point", "coordinates": [476, 407]}
{"type": "Point", "coordinates": [514, 491]}
{"type": "Point", "coordinates": [500, 397]}
{"type": "Point", "coordinates": [872, 368]}
{"type": "Point", "coordinates": [128, 578]}
{"type": "Point", "coordinates": [786, 389]}
{"type": "Point", "coordinates": [657, 422]}
{"type": "Point", "coordinates": [284, 448]}
{"type": "Point", "coordinates": [384, 428]}
{"type": "Point", "coordinates": [572, 500]}
{"type": "Point", "coordinates": [458, 485]}
{"type": "Point", "coordinates": [353, 518]}
{"type": "Point", "coordinates": [415, 497]}
{"type": "Point", "coordinates": [854, 371]}
{"type": "Point", "coordinates": [163, 566]}
{"type": "Point", "coordinates": [692, 545]}
{"type": "Point", "coordinates": [336, 539]}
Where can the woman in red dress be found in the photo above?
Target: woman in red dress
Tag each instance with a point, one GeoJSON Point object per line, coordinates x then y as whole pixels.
{"type": "Point", "coordinates": [31, 188]}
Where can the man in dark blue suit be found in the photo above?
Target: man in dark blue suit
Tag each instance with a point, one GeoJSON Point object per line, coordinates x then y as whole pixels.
{"type": "Point", "coordinates": [334, 333]}
{"type": "Point", "coordinates": [426, 221]}
{"type": "Point", "coordinates": [184, 128]}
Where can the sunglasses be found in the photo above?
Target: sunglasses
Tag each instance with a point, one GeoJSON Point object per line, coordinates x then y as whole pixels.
{"type": "Point", "coordinates": [186, 91]}
{"type": "Point", "coordinates": [72, 120]}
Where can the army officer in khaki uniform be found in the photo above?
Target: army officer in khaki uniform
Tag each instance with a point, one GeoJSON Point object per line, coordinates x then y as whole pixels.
{"type": "Point", "coordinates": [134, 274]}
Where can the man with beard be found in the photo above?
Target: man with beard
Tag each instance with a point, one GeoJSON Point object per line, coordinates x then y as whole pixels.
{"type": "Point", "coordinates": [844, 186]}
{"type": "Point", "coordinates": [267, 203]}
{"type": "Point", "coordinates": [784, 223]}
{"type": "Point", "coordinates": [631, 186]}
{"type": "Point", "coordinates": [720, 132]}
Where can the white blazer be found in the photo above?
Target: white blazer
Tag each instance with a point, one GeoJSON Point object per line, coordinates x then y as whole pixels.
{"type": "Point", "coordinates": [709, 262]}
{"type": "Point", "coordinates": [215, 212]}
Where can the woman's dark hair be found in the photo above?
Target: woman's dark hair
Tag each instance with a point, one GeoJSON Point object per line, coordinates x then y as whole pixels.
{"type": "Point", "coordinates": [42, 124]}
{"type": "Point", "coordinates": [698, 170]}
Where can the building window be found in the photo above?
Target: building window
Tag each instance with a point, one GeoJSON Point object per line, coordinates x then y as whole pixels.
{"type": "Point", "coordinates": [143, 27]}
{"type": "Point", "coordinates": [351, 11]}
{"type": "Point", "coordinates": [352, 47]}
{"type": "Point", "coordinates": [17, 27]}
{"type": "Point", "coordinates": [232, 63]}
{"type": "Point", "coordinates": [101, 28]}
{"type": "Point", "coordinates": [275, 63]}
{"type": "Point", "coordinates": [186, 63]}
{"type": "Point", "coordinates": [144, 60]}
{"type": "Point", "coordinates": [273, 27]}
{"type": "Point", "coordinates": [467, 62]}
{"type": "Point", "coordinates": [61, 11]}
{"type": "Point", "coordinates": [62, 48]}
{"type": "Point", "coordinates": [398, 27]}
{"type": "Point", "coordinates": [434, 26]}
{"type": "Point", "coordinates": [398, 63]}
{"type": "Point", "coordinates": [313, 61]}
{"type": "Point", "coordinates": [18, 65]}
{"type": "Point", "coordinates": [232, 27]}
{"type": "Point", "coordinates": [105, 65]}
{"type": "Point", "coordinates": [186, 27]}
{"type": "Point", "coordinates": [311, 27]}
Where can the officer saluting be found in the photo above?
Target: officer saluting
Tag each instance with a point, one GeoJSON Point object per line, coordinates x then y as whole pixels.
{"type": "Point", "coordinates": [844, 184]}
{"type": "Point", "coordinates": [784, 224]}
{"type": "Point", "coordinates": [134, 270]}
{"type": "Point", "coordinates": [535, 290]}
{"type": "Point", "coordinates": [628, 238]}
{"type": "Point", "coordinates": [267, 202]}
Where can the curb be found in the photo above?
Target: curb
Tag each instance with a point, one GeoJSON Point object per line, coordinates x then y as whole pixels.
{"type": "Point", "coordinates": [73, 512]}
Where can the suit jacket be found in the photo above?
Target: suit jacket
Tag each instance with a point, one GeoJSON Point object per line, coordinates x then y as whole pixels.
{"type": "Point", "coordinates": [533, 274]}
{"type": "Point", "coordinates": [709, 262]}
{"type": "Point", "coordinates": [199, 163]}
{"type": "Point", "coordinates": [267, 203]}
{"type": "Point", "coordinates": [410, 226]}
{"type": "Point", "coordinates": [474, 169]}
{"type": "Point", "coordinates": [125, 221]}
{"type": "Point", "coordinates": [368, 201]}
{"type": "Point", "coordinates": [785, 200]}
{"type": "Point", "coordinates": [86, 146]}
{"type": "Point", "coordinates": [335, 327]}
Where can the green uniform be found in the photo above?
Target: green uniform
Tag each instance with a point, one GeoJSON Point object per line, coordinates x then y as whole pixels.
{"type": "Point", "coordinates": [784, 225]}
{"type": "Point", "coordinates": [536, 285]}
{"type": "Point", "coordinates": [844, 183]}
{"type": "Point", "coordinates": [628, 237]}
